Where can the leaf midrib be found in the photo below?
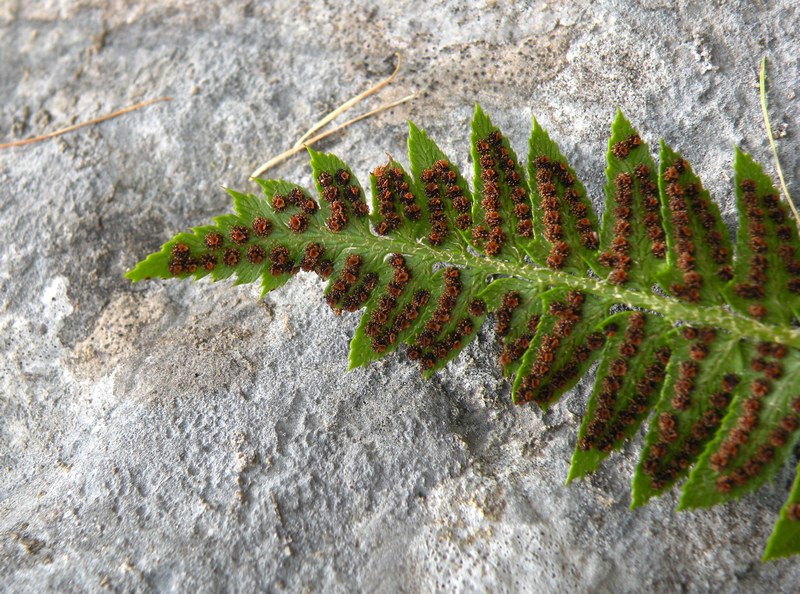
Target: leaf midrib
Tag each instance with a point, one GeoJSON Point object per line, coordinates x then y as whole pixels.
{"type": "Point", "coordinates": [718, 316]}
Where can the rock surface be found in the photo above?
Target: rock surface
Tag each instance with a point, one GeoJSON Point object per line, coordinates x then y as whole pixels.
{"type": "Point", "coordinates": [167, 436]}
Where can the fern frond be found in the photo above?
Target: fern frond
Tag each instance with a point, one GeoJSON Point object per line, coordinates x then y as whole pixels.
{"type": "Point", "coordinates": [712, 356]}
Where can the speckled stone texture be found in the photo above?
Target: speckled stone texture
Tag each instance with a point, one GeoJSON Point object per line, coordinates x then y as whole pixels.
{"type": "Point", "coordinates": [169, 436]}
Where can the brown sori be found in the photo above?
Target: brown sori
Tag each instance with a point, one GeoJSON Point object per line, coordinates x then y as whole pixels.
{"type": "Point", "coordinates": [509, 302]}
{"type": "Point", "coordinates": [754, 288]}
{"type": "Point", "coordinates": [682, 233]}
{"type": "Point", "coordinates": [623, 148]}
{"type": "Point", "coordinates": [377, 328]}
{"type": "Point", "coordinates": [441, 183]}
{"type": "Point", "coordinates": [497, 169]}
{"type": "Point", "coordinates": [662, 469]}
{"type": "Point", "coordinates": [429, 345]}
{"type": "Point", "coordinates": [181, 261]}
{"type": "Point", "coordinates": [280, 260]}
{"type": "Point", "coordinates": [393, 191]}
{"type": "Point", "coordinates": [238, 234]}
{"type": "Point", "coordinates": [344, 282]}
{"type": "Point", "coordinates": [617, 257]}
{"type": "Point", "coordinates": [231, 257]}
{"type": "Point", "coordinates": [342, 194]}
{"type": "Point", "coordinates": [566, 313]}
{"type": "Point", "coordinates": [312, 257]}
{"type": "Point", "coordinates": [261, 227]}
{"type": "Point", "coordinates": [607, 427]}
{"type": "Point", "coordinates": [753, 465]}
{"type": "Point", "coordinates": [213, 240]}
{"type": "Point", "coordinates": [652, 209]}
{"type": "Point", "coordinates": [255, 254]}
{"type": "Point", "coordinates": [513, 349]}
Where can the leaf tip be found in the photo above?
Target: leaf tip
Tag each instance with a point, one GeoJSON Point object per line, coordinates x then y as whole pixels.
{"type": "Point", "coordinates": [741, 158]}
{"type": "Point", "coordinates": [233, 193]}
{"type": "Point", "coordinates": [571, 475]}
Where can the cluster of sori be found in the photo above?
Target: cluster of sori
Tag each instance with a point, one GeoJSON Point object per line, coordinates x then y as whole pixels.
{"type": "Point", "coordinates": [393, 190]}
{"type": "Point", "coordinates": [307, 207]}
{"type": "Point", "coordinates": [613, 415]}
{"type": "Point", "coordinates": [652, 209]}
{"type": "Point", "coordinates": [513, 348]}
{"type": "Point", "coordinates": [432, 344]}
{"type": "Point", "coordinates": [564, 316]}
{"type": "Point", "coordinates": [313, 260]}
{"type": "Point", "coordinates": [685, 202]}
{"type": "Point", "coordinates": [622, 148]}
{"type": "Point", "coordinates": [734, 461]}
{"type": "Point", "coordinates": [346, 292]}
{"type": "Point", "coordinates": [217, 249]}
{"type": "Point", "coordinates": [674, 448]}
{"type": "Point", "coordinates": [548, 173]}
{"type": "Point", "coordinates": [343, 196]}
{"type": "Point", "coordinates": [497, 169]}
{"type": "Point", "coordinates": [381, 328]}
{"type": "Point", "coordinates": [618, 256]}
{"type": "Point", "coordinates": [684, 385]}
{"type": "Point", "coordinates": [440, 182]}
{"type": "Point", "coordinates": [181, 260]}
{"type": "Point", "coordinates": [759, 213]}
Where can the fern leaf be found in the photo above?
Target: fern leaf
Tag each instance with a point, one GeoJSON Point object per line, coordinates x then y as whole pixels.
{"type": "Point", "coordinates": [632, 240]}
{"type": "Point", "coordinates": [699, 250]}
{"type": "Point", "coordinates": [565, 344]}
{"type": "Point", "coordinates": [517, 308]}
{"type": "Point", "coordinates": [565, 225]}
{"type": "Point", "coordinates": [766, 283]}
{"type": "Point", "coordinates": [703, 372]}
{"type": "Point", "coordinates": [758, 433]}
{"type": "Point", "coordinates": [449, 201]}
{"type": "Point", "coordinates": [785, 538]}
{"type": "Point", "coordinates": [715, 362]}
{"type": "Point", "coordinates": [629, 380]}
{"type": "Point", "coordinates": [501, 209]}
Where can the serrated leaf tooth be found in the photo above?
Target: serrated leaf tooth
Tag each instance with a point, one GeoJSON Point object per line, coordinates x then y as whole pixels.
{"type": "Point", "coordinates": [785, 538]}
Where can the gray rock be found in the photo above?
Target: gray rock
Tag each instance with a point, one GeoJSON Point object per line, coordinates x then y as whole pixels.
{"type": "Point", "coordinates": [169, 436]}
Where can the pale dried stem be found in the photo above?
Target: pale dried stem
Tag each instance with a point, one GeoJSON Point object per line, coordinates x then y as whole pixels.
{"type": "Point", "coordinates": [82, 124]}
{"type": "Point", "coordinates": [763, 92]}
{"type": "Point", "coordinates": [297, 148]}
{"type": "Point", "coordinates": [348, 104]}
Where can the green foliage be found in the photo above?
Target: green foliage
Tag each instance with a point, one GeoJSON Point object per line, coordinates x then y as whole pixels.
{"type": "Point", "coordinates": [711, 357]}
